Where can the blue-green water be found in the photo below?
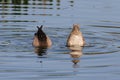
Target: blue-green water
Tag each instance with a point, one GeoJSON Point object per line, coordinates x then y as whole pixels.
{"type": "Point", "coordinates": [100, 25]}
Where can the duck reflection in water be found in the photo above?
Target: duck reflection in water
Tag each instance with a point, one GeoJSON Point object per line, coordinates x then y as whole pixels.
{"type": "Point", "coordinates": [41, 41]}
{"type": "Point", "coordinates": [40, 51]}
{"type": "Point", "coordinates": [76, 53]}
{"type": "Point", "coordinates": [75, 43]}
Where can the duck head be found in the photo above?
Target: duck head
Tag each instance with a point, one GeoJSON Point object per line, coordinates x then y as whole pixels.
{"type": "Point", "coordinates": [76, 28]}
{"type": "Point", "coordinates": [40, 34]}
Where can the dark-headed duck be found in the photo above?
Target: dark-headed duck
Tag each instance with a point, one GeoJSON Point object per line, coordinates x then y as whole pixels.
{"type": "Point", "coordinates": [41, 39]}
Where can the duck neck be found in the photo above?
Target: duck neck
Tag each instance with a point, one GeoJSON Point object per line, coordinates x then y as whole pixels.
{"type": "Point", "coordinates": [75, 31]}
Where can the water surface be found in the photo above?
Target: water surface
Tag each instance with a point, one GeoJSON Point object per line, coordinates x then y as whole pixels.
{"type": "Point", "coordinates": [100, 25]}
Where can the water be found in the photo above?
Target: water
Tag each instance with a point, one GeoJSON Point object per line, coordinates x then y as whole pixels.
{"type": "Point", "coordinates": [99, 20]}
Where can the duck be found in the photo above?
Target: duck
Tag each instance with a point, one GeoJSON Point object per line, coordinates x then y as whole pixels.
{"type": "Point", "coordinates": [41, 40]}
{"type": "Point", "coordinates": [75, 37]}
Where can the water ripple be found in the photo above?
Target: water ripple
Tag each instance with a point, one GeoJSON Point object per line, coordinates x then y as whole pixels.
{"type": "Point", "coordinates": [103, 26]}
{"type": "Point", "coordinates": [18, 21]}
